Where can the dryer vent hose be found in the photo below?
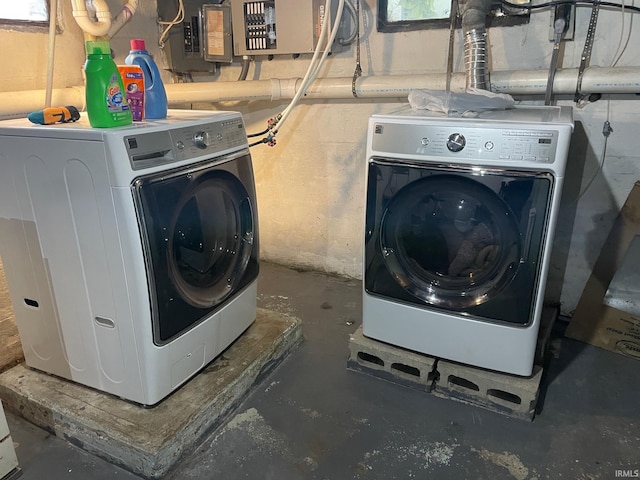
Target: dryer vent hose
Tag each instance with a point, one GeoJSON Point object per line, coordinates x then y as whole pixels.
{"type": "Point", "coordinates": [474, 19]}
{"type": "Point", "coordinates": [475, 59]}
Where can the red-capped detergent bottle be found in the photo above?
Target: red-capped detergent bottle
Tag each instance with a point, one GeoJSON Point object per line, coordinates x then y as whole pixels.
{"type": "Point", "coordinates": [155, 96]}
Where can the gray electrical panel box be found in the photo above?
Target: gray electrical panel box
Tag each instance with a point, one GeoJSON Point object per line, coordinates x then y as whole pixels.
{"type": "Point", "coordinates": [216, 33]}
{"type": "Point", "coordinates": [272, 27]}
{"type": "Point", "coordinates": [183, 46]}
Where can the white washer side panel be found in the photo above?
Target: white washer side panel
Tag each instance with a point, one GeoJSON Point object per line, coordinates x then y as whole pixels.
{"type": "Point", "coordinates": [27, 271]}
{"type": "Point", "coordinates": [44, 173]}
{"type": "Point", "coordinates": [66, 190]}
{"type": "Point", "coordinates": [82, 193]}
{"type": "Point", "coordinates": [93, 207]}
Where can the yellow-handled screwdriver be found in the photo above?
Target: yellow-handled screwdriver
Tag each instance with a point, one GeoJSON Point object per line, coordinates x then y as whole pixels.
{"type": "Point", "coordinates": [50, 115]}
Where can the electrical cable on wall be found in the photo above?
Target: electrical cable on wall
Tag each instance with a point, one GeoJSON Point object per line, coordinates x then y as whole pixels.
{"type": "Point", "coordinates": [607, 130]}
{"type": "Point", "coordinates": [357, 72]}
{"type": "Point", "coordinates": [246, 61]}
{"type": "Point", "coordinates": [179, 18]}
{"type": "Point", "coordinates": [560, 27]}
{"type": "Point", "coordinates": [315, 65]}
{"type": "Point", "coordinates": [353, 13]}
{"type": "Point", "coordinates": [327, 33]}
{"type": "Point", "coordinates": [622, 48]}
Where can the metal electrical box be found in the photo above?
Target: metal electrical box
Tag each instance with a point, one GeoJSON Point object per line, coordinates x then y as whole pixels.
{"type": "Point", "coordinates": [183, 46]}
{"type": "Point", "coordinates": [272, 27]}
{"type": "Point", "coordinates": [216, 33]}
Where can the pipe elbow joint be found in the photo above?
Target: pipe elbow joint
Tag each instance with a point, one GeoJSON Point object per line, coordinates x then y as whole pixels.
{"type": "Point", "coordinates": [97, 29]}
{"type": "Point", "coordinates": [474, 14]}
{"type": "Point", "coordinates": [473, 20]}
{"type": "Point", "coordinates": [103, 17]}
{"type": "Point", "coordinates": [131, 6]}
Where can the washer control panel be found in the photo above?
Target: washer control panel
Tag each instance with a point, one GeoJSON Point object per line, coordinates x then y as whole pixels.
{"type": "Point", "coordinates": [148, 149]}
{"type": "Point", "coordinates": [466, 142]}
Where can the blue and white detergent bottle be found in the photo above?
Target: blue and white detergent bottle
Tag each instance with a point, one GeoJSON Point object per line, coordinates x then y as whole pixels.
{"type": "Point", "coordinates": [155, 96]}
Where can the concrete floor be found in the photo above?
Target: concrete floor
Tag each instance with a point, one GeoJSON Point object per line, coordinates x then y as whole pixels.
{"type": "Point", "coordinates": [311, 418]}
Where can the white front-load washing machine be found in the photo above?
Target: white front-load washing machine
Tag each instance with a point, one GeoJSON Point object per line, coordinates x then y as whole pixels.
{"type": "Point", "coordinates": [131, 253]}
{"type": "Point", "coordinates": [460, 214]}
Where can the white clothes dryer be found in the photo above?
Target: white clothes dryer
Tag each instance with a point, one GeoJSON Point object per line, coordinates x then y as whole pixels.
{"type": "Point", "coordinates": [460, 214]}
{"type": "Point", "coordinates": [131, 253]}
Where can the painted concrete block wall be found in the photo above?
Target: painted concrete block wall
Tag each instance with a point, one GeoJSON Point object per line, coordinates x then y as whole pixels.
{"type": "Point", "coordinates": [317, 169]}
{"type": "Point", "coordinates": [311, 185]}
{"type": "Point", "coordinates": [25, 51]}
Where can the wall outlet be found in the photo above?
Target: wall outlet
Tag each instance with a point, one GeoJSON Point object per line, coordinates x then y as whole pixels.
{"type": "Point", "coordinates": [572, 24]}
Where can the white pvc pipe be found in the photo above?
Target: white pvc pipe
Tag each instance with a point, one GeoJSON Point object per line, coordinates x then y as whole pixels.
{"type": "Point", "coordinates": [99, 27]}
{"type": "Point", "coordinates": [392, 86]}
{"type": "Point", "coordinates": [53, 16]}
{"type": "Point", "coordinates": [595, 80]}
{"type": "Point", "coordinates": [123, 17]}
{"type": "Point", "coordinates": [223, 91]}
{"type": "Point", "coordinates": [616, 80]}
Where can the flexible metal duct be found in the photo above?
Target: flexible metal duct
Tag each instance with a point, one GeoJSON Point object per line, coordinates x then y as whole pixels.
{"type": "Point", "coordinates": [474, 19]}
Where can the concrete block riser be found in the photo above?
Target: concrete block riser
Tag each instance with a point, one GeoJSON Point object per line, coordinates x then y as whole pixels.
{"type": "Point", "coordinates": [502, 393]}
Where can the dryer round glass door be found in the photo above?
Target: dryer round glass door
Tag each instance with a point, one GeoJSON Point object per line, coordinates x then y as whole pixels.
{"type": "Point", "coordinates": [450, 241]}
{"type": "Point", "coordinates": [456, 238]}
{"type": "Point", "coordinates": [200, 232]}
{"type": "Point", "coordinates": [210, 239]}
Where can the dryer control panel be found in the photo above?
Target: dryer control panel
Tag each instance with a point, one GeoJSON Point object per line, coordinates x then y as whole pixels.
{"type": "Point", "coordinates": [466, 142]}
{"type": "Point", "coordinates": [148, 149]}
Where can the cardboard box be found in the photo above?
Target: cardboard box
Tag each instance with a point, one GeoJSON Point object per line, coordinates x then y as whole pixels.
{"type": "Point", "coordinates": [595, 321]}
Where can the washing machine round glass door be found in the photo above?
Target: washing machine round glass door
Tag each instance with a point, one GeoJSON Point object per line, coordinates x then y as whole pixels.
{"type": "Point", "coordinates": [456, 239]}
{"type": "Point", "coordinates": [201, 243]}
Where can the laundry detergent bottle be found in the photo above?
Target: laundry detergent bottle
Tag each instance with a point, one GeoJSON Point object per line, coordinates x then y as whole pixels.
{"type": "Point", "coordinates": [104, 91]}
{"type": "Point", "coordinates": [155, 96]}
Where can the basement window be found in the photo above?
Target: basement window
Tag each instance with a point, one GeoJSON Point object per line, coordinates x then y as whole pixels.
{"type": "Point", "coordinates": [24, 12]}
{"type": "Point", "coordinates": [407, 15]}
